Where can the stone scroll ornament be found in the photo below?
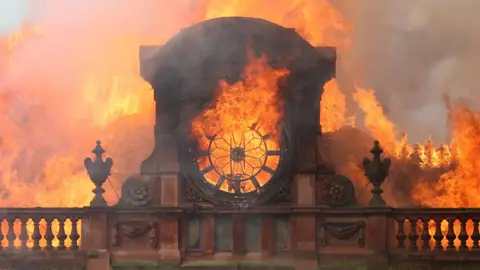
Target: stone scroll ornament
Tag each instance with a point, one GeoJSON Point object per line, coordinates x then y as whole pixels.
{"type": "Point", "coordinates": [134, 230]}
{"type": "Point", "coordinates": [342, 231]}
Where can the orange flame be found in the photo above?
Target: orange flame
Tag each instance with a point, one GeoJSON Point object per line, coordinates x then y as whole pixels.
{"type": "Point", "coordinates": [458, 187]}
{"type": "Point", "coordinates": [375, 121]}
{"type": "Point", "coordinates": [319, 22]}
{"type": "Point", "coordinates": [333, 108]}
{"type": "Point", "coordinates": [243, 114]}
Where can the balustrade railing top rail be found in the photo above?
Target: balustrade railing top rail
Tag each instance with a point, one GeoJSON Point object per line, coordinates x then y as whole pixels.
{"type": "Point", "coordinates": [434, 211]}
{"type": "Point", "coordinates": [42, 211]}
{"type": "Point", "coordinates": [387, 211]}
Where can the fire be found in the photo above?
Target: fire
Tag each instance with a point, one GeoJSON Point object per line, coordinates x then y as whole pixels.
{"type": "Point", "coordinates": [376, 122]}
{"type": "Point", "coordinates": [458, 187]}
{"type": "Point", "coordinates": [17, 37]}
{"type": "Point", "coordinates": [431, 161]}
{"type": "Point", "coordinates": [244, 118]}
{"type": "Point", "coordinates": [319, 22]}
{"type": "Point", "coordinates": [426, 155]}
{"type": "Point", "coordinates": [66, 81]}
{"type": "Point", "coordinates": [52, 165]}
{"type": "Point", "coordinates": [458, 161]}
{"type": "Point", "coordinates": [333, 108]}
{"type": "Point", "coordinates": [71, 78]}
{"type": "Point", "coordinates": [77, 80]}
{"type": "Point", "coordinates": [384, 130]}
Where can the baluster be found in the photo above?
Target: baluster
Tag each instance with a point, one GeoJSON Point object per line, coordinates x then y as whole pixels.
{"type": "Point", "coordinates": [463, 236]}
{"type": "Point", "coordinates": [438, 236]}
{"type": "Point", "coordinates": [49, 236]}
{"type": "Point", "coordinates": [61, 236]}
{"type": "Point", "coordinates": [36, 236]}
{"type": "Point", "coordinates": [450, 234]}
{"type": "Point", "coordinates": [425, 235]}
{"type": "Point", "coordinates": [401, 233]}
{"type": "Point", "coordinates": [11, 236]}
{"type": "Point", "coordinates": [1, 234]}
{"type": "Point", "coordinates": [23, 234]}
{"type": "Point", "coordinates": [413, 235]}
{"type": "Point", "coordinates": [475, 234]}
{"type": "Point", "coordinates": [74, 236]}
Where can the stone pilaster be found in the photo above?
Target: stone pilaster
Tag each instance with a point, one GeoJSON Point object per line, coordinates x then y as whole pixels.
{"type": "Point", "coordinates": [94, 238]}
{"type": "Point", "coordinates": [238, 233]}
{"type": "Point", "coordinates": [379, 239]}
{"type": "Point", "coordinates": [208, 235]}
{"type": "Point", "coordinates": [169, 239]}
{"type": "Point", "coordinates": [267, 229]}
{"type": "Point", "coordinates": [304, 226]}
{"type": "Point", "coordinates": [164, 170]}
{"type": "Point", "coordinates": [95, 230]}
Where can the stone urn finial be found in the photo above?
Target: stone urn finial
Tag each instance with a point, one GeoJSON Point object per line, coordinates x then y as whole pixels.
{"type": "Point", "coordinates": [376, 170]}
{"type": "Point", "coordinates": [98, 171]}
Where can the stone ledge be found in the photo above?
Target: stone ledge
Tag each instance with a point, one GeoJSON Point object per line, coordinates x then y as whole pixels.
{"type": "Point", "coordinates": [235, 265]}
{"type": "Point", "coordinates": [43, 264]}
{"type": "Point", "coordinates": [143, 265]}
{"type": "Point", "coordinates": [202, 265]}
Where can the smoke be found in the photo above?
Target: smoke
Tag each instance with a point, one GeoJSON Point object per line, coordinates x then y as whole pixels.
{"type": "Point", "coordinates": [12, 12]}
{"type": "Point", "coordinates": [413, 53]}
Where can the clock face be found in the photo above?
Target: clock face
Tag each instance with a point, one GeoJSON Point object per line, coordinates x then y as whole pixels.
{"type": "Point", "coordinates": [240, 163]}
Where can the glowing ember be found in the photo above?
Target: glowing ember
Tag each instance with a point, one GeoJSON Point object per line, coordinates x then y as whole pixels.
{"type": "Point", "coordinates": [244, 120]}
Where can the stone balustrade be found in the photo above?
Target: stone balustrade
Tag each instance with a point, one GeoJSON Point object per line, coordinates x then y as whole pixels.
{"type": "Point", "coordinates": [255, 233]}
{"type": "Point", "coordinates": [439, 230]}
{"type": "Point", "coordinates": [40, 229]}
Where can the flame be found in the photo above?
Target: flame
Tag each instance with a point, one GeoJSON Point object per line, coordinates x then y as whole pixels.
{"type": "Point", "coordinates": [54, 169]}
{"type": "Point", "coordinates": [375, 121]}
{"type": "Point", "coordinates": [53, 110]}
{"type": "Point", "coordinates": [431, 160]}
{"type": "Point", "coordinates": [66, 81]}
{"type": "Point", "coordinates": [19, 36]}
{"type": "Point", "coordinates": [384, 130]}
{"type": "Point", "coordinates": [333, 108]}
{"type": "Point", "coordinates": [245, 121]}
{"type": "Point", "coordinates": [453, 189]}
{"type": "Point", "coordinates": [319, 22]}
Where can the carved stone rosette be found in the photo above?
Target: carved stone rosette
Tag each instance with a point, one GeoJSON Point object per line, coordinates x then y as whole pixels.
{"type": "Point", "coordinates": [136, 192]}
{"type": "Point", "coordinates": [134, 229]}
{"type": "Point", "coordinates": [335, 190]}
